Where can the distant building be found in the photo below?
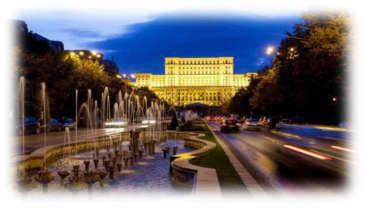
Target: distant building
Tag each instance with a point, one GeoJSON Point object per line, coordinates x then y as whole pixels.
{"type": "Point", "coordinates": [209, 81]}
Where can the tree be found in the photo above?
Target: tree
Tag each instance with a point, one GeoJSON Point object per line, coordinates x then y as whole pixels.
{"type": "Point", "coordinates": [306, 78]}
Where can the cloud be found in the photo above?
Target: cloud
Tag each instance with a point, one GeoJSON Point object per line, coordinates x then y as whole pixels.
{"type": "Point", "coordinates": [77, 28]}
{"type": "Point", "coordinates": [145, 45]}
{"type": "Point", "coordinates": [139, 42]}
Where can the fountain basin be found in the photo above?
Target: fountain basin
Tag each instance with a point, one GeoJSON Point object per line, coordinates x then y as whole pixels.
{"type": "Point", "coordinates": [201, 179]}
{"type": "Point", "coordinates": [181, 170]}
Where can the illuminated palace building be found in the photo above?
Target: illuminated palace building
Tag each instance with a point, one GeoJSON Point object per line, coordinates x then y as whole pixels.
{"type": "Point", "coordinates": [209, 81]}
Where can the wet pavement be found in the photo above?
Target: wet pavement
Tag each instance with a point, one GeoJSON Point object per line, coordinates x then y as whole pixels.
{"type": "Point", "coordinates": [150, 175]}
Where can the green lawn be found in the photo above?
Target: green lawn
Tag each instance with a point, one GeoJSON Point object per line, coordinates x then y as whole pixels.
{"type": "Point", "coordinates": [217, 159]}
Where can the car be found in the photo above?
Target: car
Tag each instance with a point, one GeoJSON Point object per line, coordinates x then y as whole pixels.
{"type": "Point", "coordinates": [252, 124]}
{"type": "Point", "coordinates": [264, 122]}
{"type": "Point", "coordinates": [68, 122]}
{"type": "Point", "coordinates": [285, 121]}
{"type": "Point", "coordinates": [31, 126]}
{"type": "Point", "coordinates": [230, 125]}
{"type": "Point", "coordinates": [52, 125]}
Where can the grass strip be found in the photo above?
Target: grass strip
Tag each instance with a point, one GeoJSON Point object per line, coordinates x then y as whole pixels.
{"type": "Point", "coordinates": [216, 158]}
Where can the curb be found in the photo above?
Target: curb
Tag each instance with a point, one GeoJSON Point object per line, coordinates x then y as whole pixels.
{"type": "Point", "coordinates": [248, 180]}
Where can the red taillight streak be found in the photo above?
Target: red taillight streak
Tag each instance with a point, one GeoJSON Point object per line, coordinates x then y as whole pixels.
{"type": "Point", "coordinates": [309, 153]}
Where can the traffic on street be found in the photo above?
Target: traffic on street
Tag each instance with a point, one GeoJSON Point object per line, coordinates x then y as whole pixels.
{"type": "Point", "coordinates": [290, 156]}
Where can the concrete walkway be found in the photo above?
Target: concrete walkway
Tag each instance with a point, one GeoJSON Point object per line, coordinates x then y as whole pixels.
{"type": "Point", "coordinates": [251, 184]}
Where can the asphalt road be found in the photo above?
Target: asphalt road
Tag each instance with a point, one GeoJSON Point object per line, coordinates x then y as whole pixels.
{"type": "Point", "coordinates": [290, 161]}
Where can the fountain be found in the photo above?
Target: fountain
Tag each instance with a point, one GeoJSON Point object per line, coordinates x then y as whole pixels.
{"type": "Point", "coordinates": [76, 106]}
{"type": "Point", "coordinates": [44, 177]}
{"type": "Point", "coordinates": [86, 164]}
{"type": "Point", "coordinates": [104, 96]}
{"type": "Point", "coordinates": [75, 171]}
{"type": "Point", "coordinates": [44, 117]}
{"type": "Point", "coordinates": [119, 166]}
{"type": "Point", "coordinates": [91, 177]}
{"type": "Point", "coordinates": [96, 162]}
{"type": "Point", "coordinates": [102, 175]}
{"type": "Point", "coordinates": [116, 151]}
{"type": "Point", "coordinates": [21, 107]}
{"type": "Point", "coordinates": [64, 173]}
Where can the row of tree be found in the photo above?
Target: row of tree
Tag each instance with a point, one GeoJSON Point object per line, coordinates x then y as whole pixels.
{"type": "Point", "coordinates": [307, 78]}
{"type": "Point", "coordinates": [63, 74]}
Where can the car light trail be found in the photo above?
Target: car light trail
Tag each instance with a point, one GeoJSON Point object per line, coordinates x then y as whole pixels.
{"type": "Point", "coordinates": [329, 128]}
{"type": "Point", "coordinates": [280, 133]}
{"type": "Point", "coordinates": [309, 153]}
{"type": "Point", "coordinates": [115, 123]}
{"type": "Point", "coordinates": [341, 148]}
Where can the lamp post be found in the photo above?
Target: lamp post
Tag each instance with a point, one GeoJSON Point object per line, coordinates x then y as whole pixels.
{"type": "Point", "coordinates": [270, 50]}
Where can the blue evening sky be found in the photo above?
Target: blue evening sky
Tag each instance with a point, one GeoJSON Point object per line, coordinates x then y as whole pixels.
{"type": "Point", "coordinates": [140, 44]}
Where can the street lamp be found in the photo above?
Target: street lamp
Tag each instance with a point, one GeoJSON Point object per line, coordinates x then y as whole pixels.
{"type": "Point", "coordinates": [334, 99]}
{"type": "Point", "coordinates": [133, 76]}
{"type": "Point", "coordinates": [293, 53]}
{"type": "Point", "coordinates": [95, 53]}
{"type": "Point", "coordinates": [270, 50]}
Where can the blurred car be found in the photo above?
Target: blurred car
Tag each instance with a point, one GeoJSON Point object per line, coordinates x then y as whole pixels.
{"type": "Point", "coordinates": [68, 122]}
{"type": "Point", "coordinates": [230, 125]}
{"type": "Point", "coordinates": [297, 120]}
{"type": "Point", "coordinates": [252, 124]}
{"type": "Point", "coordinates": [273, 123]}
{"type": "Point", "coordinates": [264, 122]}
{"type": "Point", "coordinates": [52, 125]}
{"type": "Point", "coordinates": [285, 120]}
{"type": "Point", "coordinates": [31, 126]}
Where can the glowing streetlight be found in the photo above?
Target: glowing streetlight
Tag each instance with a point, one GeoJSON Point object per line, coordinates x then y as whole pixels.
{"type": "Point", "coordinates": [291, 49]}
{"type": "Point", "coordinates": [334, 99]}
{"type": "Point", "coordinates": [81, 53]}
{"type": "Point", "coordinates": [133, 76]}
{"type": "Point", "coordinates": [270, 50]}
{"type": "Point", "coordinates": [95, 53]}
{"type": "Point", "coordinates": [124, 75]}
{"type": "Point", "coordinates": [118, 76]}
